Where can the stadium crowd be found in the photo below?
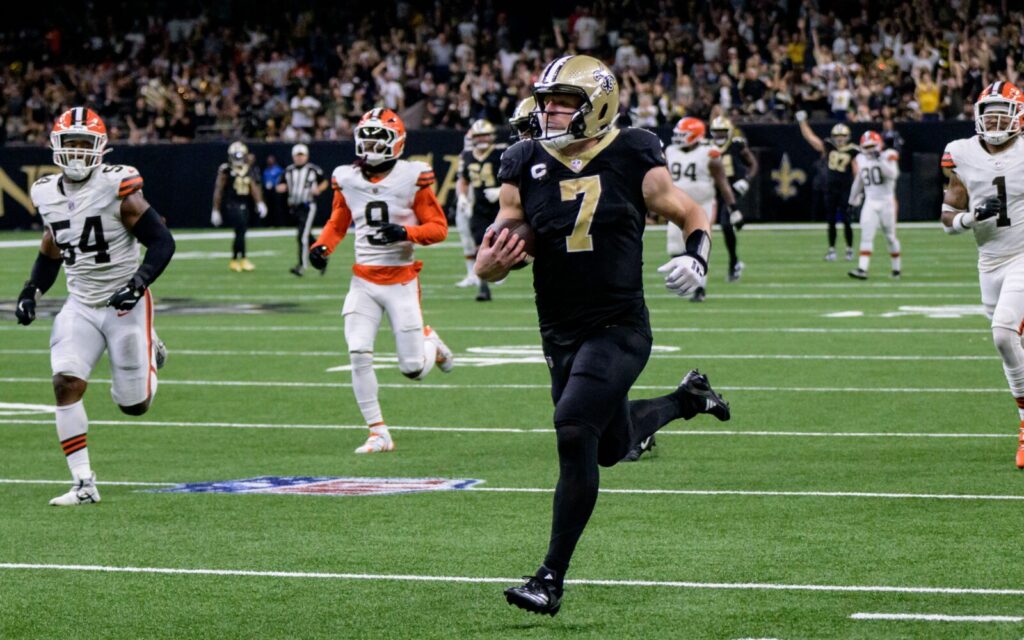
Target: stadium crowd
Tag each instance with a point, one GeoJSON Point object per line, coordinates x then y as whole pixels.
{"type": "Point", "coordinates": [201, 71]}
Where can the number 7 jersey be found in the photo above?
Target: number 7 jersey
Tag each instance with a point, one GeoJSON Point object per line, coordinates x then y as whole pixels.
{"type": "Point", "coordinates": [985, 175]}
{"type": "Point", "coordinates": [100, 254]}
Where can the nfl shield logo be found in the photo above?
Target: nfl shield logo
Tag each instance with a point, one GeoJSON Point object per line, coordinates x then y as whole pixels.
{"type": "Point", "coordinates": [71, 205]}
{"type": "Point", "coordinates": [324, 486]}
{"type": "Point", "coordinates": [576, 164]}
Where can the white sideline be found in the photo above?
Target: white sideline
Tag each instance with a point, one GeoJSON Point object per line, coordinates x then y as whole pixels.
{"type": "Point", "coordinates": [539, 430]}
{"type": "Point", "coordinates": [934, 617]}
{"type": "Point", "coordinates": [662, 492]}
{"type": "Point", "coordinates": [544, 387]}
{"type": "Point", "coordinates": [677, 584]}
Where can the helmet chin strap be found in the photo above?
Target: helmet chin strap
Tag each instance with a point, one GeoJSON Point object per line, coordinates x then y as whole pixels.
{"type": "Point", "coordinates": [380, 167]}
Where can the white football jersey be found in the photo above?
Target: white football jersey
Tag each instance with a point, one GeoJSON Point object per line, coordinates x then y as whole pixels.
{"type": "Point", "coordinates": [100, 254]}
{"type": "Point", "coordinates": [879, 175]}
{"type": "Point", "coordinates": [690, 170]}
{"type": "Point", "coordinates": [376, 203]}
{"type": "Point", "coordinates": [984, 174]}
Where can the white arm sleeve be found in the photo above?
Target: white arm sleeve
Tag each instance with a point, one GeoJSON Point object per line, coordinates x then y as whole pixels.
{"type": "Point", "coordinates": [856, 190]}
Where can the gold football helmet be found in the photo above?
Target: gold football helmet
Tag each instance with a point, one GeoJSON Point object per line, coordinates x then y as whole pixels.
{"type": "Point", "coordinates": [840, 134]}
{"type": "Point", "coordinates": [482, 134]}
{"type": "Point", "coordinates": [590, 80]}
{"type": "Point", "coordinates": [521, 120]}
{"type": "Point", "coordinates": [721, 131]}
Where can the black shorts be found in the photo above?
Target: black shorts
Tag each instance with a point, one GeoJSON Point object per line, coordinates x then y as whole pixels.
{"type": "Point", "coordinates": [237, 215]}
{"type": "Point", "coordinates": [590, 382]}
{"type": "Point", "coordinates": [836, 207]}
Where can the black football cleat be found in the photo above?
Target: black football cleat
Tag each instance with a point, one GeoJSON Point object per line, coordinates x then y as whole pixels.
{"type": "Point", "coordinates": [858, 274]}
{"type": "Point", "coordinates": [640, 449]}
{"type": "Point", "coordinates": [540, 595]}
{"type": "Point", "coordinates": [698, 295]}
{"type": "Point", "coordinates": [697, 396]}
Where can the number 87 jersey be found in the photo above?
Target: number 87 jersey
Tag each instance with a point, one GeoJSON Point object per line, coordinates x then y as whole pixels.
{"type": "Point", "coordinates": [985, 175]}
{"type": "Point", "coordinates": [100, 254]}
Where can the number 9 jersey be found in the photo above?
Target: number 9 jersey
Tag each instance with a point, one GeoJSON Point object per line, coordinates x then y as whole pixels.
{"type": "Point", "coordinates": [100, 254]}
{"type": "Point", "coordinates": [984, 175]}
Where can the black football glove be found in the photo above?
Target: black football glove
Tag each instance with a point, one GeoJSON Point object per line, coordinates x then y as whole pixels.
{"type": "Point", "coordinates": [318, 257]}
{"type": "Point", "coordinates": [989, 209]}
{"type": "Point", "coordinates": [25, 311]}
{"type": "Point", "coordinates": [388, 234]}
{"type": "Point", "coordinates": [125, 298]}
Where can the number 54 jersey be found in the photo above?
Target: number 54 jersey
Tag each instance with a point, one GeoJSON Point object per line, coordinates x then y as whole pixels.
{"type": "Point", "coordinates": [984, 174]}
{"type": "Point", "coordinates": [100, 254]}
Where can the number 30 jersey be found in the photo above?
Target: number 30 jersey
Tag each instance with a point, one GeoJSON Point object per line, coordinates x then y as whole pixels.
{"type": "Point", "coordinates": [100, 254]}
{"type": "Point", "coordinates": [690, 172]}
{"type": "Point", "coordinates": [1000, 239]}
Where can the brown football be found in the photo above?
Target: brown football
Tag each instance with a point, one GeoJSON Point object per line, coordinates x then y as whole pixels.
{"type": "Point", "coordinates": [520, 229]}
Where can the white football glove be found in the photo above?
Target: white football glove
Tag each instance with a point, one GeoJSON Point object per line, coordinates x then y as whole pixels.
{"type": "Point", "coordinates": [684, 274]}
{"type": "Point", "coordinates": [741, 187]}
{"type": "Point", "coordinates": [215, 218]}
{"type": "Point", "coordinates": [801, 116]}
{"type": "Point", "coordinates": [857, 200]}
{"type": "Point", "coordinates": [491, 194]}
{"type": "Point", "coordinates": [261, 208]}
{"type": "Point", "coordinates": [736, 218]}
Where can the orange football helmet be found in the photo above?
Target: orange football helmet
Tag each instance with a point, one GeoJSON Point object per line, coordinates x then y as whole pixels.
{"type": "Point", "coordinates": [380, 136]}
{"type": "Point", "coordinates": [688, 132]}
{"type": "Point", "coordinates": [998, 112]}
{"type": "Point", "coordinates": [871, 141]}
{"type": "Point", "coordinates": [78, 124]}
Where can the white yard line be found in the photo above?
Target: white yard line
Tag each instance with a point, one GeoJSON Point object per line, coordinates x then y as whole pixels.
{"type": "Point", "coordinates": [503, 430]}
{"type": "Point", "coordinates": [545, 387]}
{"type": "Point", "coordinates": [168, 325]}
{"type": "Point", "coordinates": [654, 356]}
{"type": "Point", "coordinates": [676, 584]}
{"type": "Point", "coordinates": [934, 617]}
{"type": "Point", "coordinates": [667, 492]}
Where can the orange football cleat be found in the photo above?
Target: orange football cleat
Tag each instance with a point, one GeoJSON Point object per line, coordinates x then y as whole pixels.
{"type": "Point", "coordinates": [1020, 447]}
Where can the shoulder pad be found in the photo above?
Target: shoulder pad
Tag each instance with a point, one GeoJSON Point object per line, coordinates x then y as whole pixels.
{"type": "Point", "coordinates": [124, 178]}
{"type": "Point", "coordinates": [43, 189]}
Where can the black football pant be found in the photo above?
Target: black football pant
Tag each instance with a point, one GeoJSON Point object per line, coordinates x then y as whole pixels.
{"type": "Point", "coordinates": [596, 424]}
{"type": "Point", "coordinates": [238, 217]}
{"type": "Point", "coordinates": [303, 215]}
{"type": "Point", "coordinates": [728, 233]}
{"type": "Point", "coordinates": [836, 209]}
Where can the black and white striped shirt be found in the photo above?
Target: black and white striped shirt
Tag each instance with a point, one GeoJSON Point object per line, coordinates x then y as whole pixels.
{"type": "Point", "coordinates": [300, 181]}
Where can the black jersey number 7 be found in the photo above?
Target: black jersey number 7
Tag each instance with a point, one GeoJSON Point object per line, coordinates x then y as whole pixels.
{"type": "Point", "coordinates": [1004, 219]}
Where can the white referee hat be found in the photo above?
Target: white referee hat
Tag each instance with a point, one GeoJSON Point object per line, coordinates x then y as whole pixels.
{"type": "Point", "coordinates": [300, 150]}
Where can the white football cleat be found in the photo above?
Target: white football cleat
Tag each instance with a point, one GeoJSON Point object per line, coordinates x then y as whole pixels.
{"type": "Point", "coordinates": [377, 444]}
{"type": "Point", "coordinates": [83, 491]}
{"type": "Point", "coordinates": [445, 358]}
{"type": "Point", "coordinates": [469, 281]}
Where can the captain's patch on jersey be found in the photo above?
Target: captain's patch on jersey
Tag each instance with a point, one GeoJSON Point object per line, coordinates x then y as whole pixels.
{"type": "Point", "coordinates": [323, 486]}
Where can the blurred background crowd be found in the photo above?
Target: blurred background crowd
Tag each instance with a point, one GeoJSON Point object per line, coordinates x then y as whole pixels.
{"type": "Point", "coordinates": [307, 69]}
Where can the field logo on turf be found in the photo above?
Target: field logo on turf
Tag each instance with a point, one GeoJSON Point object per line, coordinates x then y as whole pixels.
{"type": "Point", "coordinates": [324, 486]}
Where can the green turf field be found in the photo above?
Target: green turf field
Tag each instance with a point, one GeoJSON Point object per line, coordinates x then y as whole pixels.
{"type": "Point", "coordinates": [868, 467]}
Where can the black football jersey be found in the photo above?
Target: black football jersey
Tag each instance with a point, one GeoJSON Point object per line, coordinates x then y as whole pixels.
{"type": "Point", "coordinates": [732, 157]}
{"type": "Point", "coordinates": [238, 185]}
{"type": "Point", "coordinates": [588, 213]}
{"type": "Point", "coordinates": [840, 165]}
{"type": "Point", "coordinates": [482, 174]}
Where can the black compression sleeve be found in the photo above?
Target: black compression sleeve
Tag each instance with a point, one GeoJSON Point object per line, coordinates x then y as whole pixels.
{"type": "Point", "coordinates": [44, 272]}
{"type": "Point", "coordinates": [154, 234]}
{"type": "Point", "coordinates": [698, 245]}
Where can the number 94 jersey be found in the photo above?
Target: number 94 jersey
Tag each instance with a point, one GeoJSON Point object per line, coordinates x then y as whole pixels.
{"type": "Point", "coordinates": [690, 172]}
{"type": "Point", "coordinates": [985, 175]}
{"type": "Point", "coordinates": [374, 204]}
{"type": "Point", "coordinates": [100, 254]}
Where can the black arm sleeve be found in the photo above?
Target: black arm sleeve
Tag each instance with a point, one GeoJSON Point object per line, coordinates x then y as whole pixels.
{"type": "Point", "coordinates": [154, 234]}
{"type": "Point", "coordinates": [44, 272]}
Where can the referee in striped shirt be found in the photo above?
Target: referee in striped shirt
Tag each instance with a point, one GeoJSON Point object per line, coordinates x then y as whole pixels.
{"type": "Point", "coordinates": [303, 182]}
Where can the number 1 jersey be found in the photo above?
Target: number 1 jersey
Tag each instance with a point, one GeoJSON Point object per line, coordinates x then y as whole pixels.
{"type": "Point", "coordinates": [100, 254]}
{"type": "Point", "coordinates": [985, 175]}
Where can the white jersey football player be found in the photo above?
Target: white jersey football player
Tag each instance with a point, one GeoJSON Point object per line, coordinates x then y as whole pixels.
{"type": "Point", "coordinates": [985, 194]}
{"type": "Point", "coordinates": [696, 168]}
{"type": "Point", "coordinates": [94, 217]}
{"type": "Point", "coordinates": [463, 214]}
{"type": "Point", "coordinates": [393, 207]}
{"type": "Point", "coordinates": [875, 173]}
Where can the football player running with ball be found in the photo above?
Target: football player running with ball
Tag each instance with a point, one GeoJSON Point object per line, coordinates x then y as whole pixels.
{"type": "Point", "coordinates": [985, 195]}
{"type": "Point", "coordinates": [585, 188]}
{"type": "Point", "coordinates": [394, 208]}
{"type": "Point", "coordinates": [94, 217]}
